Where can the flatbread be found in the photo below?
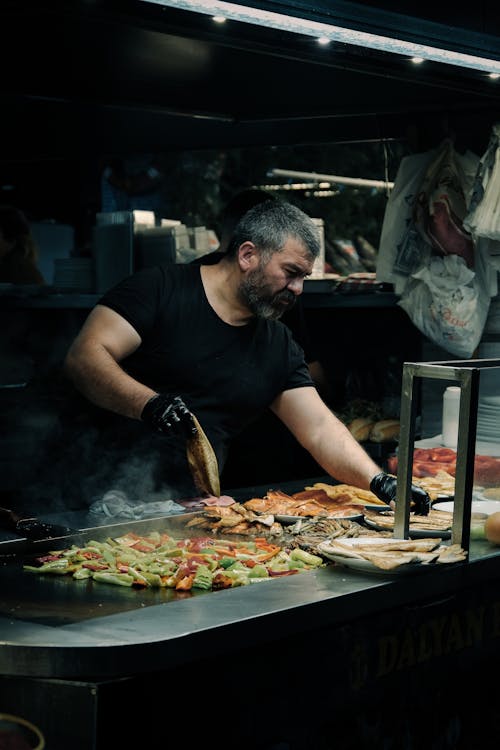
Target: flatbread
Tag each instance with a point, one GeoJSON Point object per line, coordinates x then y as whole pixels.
{"type": "Point", "coordinates": [203, 462]}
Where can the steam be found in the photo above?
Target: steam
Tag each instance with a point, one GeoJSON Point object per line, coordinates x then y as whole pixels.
{"type": "Point", "coordinates": [79, 463]}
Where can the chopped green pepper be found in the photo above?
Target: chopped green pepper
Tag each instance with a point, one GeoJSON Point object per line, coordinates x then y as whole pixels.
{"type": "Point", "coordinates": [306, 557]}
{"type": "Point", "coordinates": [121, 579]}
{"type": "Point", "coordinates": [258, 571]}
{"type": "Point", "coordinates": [202, 578]}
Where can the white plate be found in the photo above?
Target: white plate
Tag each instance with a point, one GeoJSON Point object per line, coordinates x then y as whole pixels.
{"type": "Point", "coordinates": [378, 508]}
{"type": "Point", "coordinates": [293, 519]}
{"type": "Point", "coordinates": [487, 420]}
{"type": "Point", "coordinates": [490, 400]}
{"type": "Point", "coordinates": [413, 533]}
{"type": "Point", "coordinates": [477, 506]}
{"type": "Point", "coordinates": [365, 566]}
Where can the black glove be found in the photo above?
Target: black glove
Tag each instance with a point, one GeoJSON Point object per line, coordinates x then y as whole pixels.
{"type": "Point", "coordinates": [169, 415]}
{"type": "Point", "coordinates": [384, 487]}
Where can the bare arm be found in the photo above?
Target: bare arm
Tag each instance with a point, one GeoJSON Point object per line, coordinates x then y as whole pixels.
{"type": "Point", "coordinates": [321, 433]}
{"type": "Point", "coordinates": [92, 363]}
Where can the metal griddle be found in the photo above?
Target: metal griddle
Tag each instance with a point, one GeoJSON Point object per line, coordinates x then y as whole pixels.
{"type": "Point", "coordinates": [58, 599]}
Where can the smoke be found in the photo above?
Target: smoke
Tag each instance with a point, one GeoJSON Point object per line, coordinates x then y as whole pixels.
{"type": "Point", "coordinates": [79, 462]}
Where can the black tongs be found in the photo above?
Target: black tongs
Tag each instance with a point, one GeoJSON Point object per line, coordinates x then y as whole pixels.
{"type": "Point", "coordinates": [32, 528]}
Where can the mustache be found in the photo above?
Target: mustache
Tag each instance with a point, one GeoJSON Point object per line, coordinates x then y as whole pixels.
{"type": "Point", "coordinates": [285, 296]}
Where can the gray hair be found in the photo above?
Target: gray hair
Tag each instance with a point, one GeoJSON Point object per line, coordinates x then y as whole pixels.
{"type": "Point", "coordinates": [270, 224]}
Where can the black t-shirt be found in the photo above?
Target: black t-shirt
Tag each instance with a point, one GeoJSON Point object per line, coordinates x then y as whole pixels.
{"type": "Point", "coordinates": [227, 375]}
{"type": "Point", "coordinates": [293, 318]}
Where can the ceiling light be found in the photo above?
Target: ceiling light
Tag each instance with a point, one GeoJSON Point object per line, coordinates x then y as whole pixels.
{"type": "Point", "coordinates": [494, 76]}
{"type": "Point", "coordinates": [323, 40]}
{"type": "Point", "coordinates": [417, 60]}
{"type": "Point", "coordinates": [219, 19]}
{"type": "Point", "coordinates": [247, 14]}
{"type": "Point", "coordinates": [337, 179]}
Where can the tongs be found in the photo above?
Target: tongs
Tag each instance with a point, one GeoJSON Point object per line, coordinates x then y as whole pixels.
{"type": "Point", "coordinates": [32, 528]}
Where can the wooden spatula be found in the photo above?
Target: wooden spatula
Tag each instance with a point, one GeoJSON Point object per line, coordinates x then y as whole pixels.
{"type": "Point", "coordinates": [203, 462]}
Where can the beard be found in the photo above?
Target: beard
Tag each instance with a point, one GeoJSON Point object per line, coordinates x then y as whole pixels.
{"type": "Point", "coordinates": [256, 294]}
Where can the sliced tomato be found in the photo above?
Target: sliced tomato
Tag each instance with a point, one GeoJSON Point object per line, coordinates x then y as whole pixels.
{"type": "Point", "coordinates": [47, 558]}
{"type": "Point", "coordinates": [431, 468]}
{"type": "Point", "coordinates": [443, 455]}
{"type": "Point", "coordinates": [195, 545]}
{"type": "Point", "coordinates": [143, 547]}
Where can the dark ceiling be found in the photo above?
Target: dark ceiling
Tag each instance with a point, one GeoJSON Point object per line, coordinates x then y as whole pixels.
{"type": "Point", "coordinates": [106, 76]}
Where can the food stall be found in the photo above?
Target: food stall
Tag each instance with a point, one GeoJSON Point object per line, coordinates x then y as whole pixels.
{"type": "Point", "coordinates": [343, 653]}
{"type": "Point", "coordinates": [331, 657]}
{"type": "Point", "coordinates": [362, 646]}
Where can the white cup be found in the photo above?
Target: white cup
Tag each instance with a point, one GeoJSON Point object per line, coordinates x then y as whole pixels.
{"type": "Point", "coordinates": [451, 408]}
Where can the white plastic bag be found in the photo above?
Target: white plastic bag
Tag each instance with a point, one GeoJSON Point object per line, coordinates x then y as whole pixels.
{"type": "Point", "coordinates": [424, 212]}
{"type": "Point", "coordinates": [483, 217]}
{"type": "Point", "coordinates": [441, 205]}
{"type": "Point", "coordinates": [447, 302]}
{"type": "Point", "coordinates": [401, 248]}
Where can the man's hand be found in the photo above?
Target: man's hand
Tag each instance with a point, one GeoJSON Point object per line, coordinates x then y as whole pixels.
{"type": "Point", "coordinates": [169, 415]}
{"type": "Point", "coordinates": [384, 486]}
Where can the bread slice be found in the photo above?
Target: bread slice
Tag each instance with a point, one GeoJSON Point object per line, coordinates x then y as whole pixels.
{"type": "Point", "coordinates": [203, 462]}
{"type": "Point", "coordinates": [360, 428]}
{"type": "Point", "coordinates": [385, 429]}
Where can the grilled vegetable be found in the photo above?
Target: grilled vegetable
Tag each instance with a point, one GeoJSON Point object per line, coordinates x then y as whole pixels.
{"type": "Point", "coordinates": [159, 561]}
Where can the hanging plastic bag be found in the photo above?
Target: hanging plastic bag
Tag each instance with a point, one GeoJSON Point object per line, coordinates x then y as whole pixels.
{"type": "Point", "coordinates": [424, 212]}
{"type": "Point", "coordinates": [483, 217]}
{"type": "Point", "coordinates": [441, 205]}
{"type": "Point", "coordinates": [447, 302]}
{"type": "Point", "coordinates": [402, 249]}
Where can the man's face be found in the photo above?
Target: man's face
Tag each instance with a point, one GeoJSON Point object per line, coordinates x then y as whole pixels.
{"type": "Point", "coordinates": [274, 286]}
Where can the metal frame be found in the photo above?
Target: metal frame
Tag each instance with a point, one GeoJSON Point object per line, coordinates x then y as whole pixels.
{"type": "Point", "coordinates": [467, 375]}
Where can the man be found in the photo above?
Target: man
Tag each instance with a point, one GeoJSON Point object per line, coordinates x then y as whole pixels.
{"type": "Point", "coordinates": [251, 459]}
{"type": "Point", "coordinates": [181, 339]}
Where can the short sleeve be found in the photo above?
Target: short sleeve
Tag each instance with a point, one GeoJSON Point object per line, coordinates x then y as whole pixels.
{"type": "Point", "coordinates": [138, 298]}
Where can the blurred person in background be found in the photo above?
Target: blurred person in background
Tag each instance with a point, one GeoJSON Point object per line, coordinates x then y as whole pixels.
{"type": "Point", "coordinates": [18, 249]}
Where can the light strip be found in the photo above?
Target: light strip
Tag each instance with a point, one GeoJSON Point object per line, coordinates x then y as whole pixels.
{"type": "Point", "coordinates": [318, 177]}
{"type": "Point", "coordinates": [334, 33]}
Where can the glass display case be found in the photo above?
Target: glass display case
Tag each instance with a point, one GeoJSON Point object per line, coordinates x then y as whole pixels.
{"type": "Point", "coordinates": [476, 464]}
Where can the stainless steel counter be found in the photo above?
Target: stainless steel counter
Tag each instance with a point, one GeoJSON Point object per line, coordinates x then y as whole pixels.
{"type": "Point", "coordinates": [55, 627]}
{"type": "Point", "coordinates": [320, 659]}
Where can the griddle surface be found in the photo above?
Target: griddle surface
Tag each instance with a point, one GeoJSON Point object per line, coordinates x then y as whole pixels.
{"type": "Point", "coordinates": [52, 600]}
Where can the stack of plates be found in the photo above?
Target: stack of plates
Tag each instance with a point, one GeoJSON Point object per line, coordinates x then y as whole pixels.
{"type": "Point", "coordinates": [74, 274]}
{"type": "Point", "coordinates": [488, 419]}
